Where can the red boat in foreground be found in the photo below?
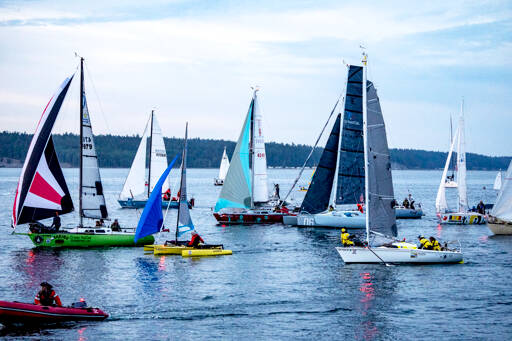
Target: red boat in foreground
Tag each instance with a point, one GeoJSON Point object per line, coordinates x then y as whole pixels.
{"type": "Point", "coordinates": [251, 216]}
{"type": "Point", "coordinates": [28, 313]}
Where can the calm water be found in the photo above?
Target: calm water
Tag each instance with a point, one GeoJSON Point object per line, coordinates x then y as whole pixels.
{"type": "Point", "coordinates": [280, 283]}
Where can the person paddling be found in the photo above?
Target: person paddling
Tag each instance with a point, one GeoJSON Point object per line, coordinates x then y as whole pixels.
{"type": "Point", "coordinates": [46, 296]}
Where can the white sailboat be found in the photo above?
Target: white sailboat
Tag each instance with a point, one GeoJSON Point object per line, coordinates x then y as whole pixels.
{"type": "Point", "coordinates": [449, 181]}
{"type": "Point", "coordinates": [380, 216]}
{"type": "Point", "coordinates": [138, 187]}
{"type": "Point", "coordinates": [223, 170]}
{"type": "Point", "coordinates": [462, 215]}
{"type": "Point", "coordinates": [498, 181]}
{"type": "Point", "coordinates": [500, 218]}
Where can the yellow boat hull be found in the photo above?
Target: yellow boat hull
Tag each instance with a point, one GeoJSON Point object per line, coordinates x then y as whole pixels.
{"type": "Point", "coordinates": [205, 252]}
{"type": "Point", "coordinates": [170, 250]}
{"type": "Point", "coordinates": [149, 247]}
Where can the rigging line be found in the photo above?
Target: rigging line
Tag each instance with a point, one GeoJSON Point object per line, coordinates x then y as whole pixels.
{"type": "Point", "coordinates": [97, 97]}
{"type": "Point", "coordinates": [314, 147]}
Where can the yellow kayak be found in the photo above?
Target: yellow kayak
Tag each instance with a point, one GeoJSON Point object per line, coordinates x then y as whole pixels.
{"type": "Point", "coordinates": [205, 252]}
{"type": "Point", "coordinates": [170, 250]}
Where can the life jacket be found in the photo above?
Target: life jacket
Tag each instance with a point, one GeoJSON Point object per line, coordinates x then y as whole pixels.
{"type": "Point", "coordinates": [345, 239]}
{"type": "Point", "coordinates": [425, 244]}
{"type": "Point", "coordinates": [195, 240]}
{"type": "Point", "coordinates": [47, 300]}
{"type": "Point", "coordinates": [436, 246]}
{"type": "Point", "coordinates": [360, 208]}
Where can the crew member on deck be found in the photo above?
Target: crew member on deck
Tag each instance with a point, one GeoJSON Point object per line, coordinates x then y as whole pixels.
{"type": "Point", "coordinates": [115, 226]}
{"type": "Point", "coordinates": [481, 207]}
{"type": "Point", "coordinates": [425, 244]}
{"type": "Point", "coordinates": [195, 240]}
{"type": "Point", "coordinates": [167, 195]}
{"type": "Point", "coordinates": [56, 222]}
{"type": "Point", "coordinates": [276, 191]}
{"type": "Point", "coordinates": [405, 203]}
{"type": "Point", "coordinates": [46, 296]}
{"type": "Point", "coordinates": [345, 238]}
{"type": "Point", "coordinates": [435, 244]}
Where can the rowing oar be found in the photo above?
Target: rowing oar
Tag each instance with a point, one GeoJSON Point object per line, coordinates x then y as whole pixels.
{"type": "Point", "coordinates": [376, 255]}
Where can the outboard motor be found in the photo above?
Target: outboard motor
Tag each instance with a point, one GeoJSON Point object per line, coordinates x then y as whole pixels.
{"type": "Point", "coordinates": [80, 304]}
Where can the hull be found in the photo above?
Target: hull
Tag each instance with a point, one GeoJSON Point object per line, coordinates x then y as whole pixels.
{"type": "Point", "coordinates": [142, 203]}
{"type": "Point", "coordinates": [396, 255]}
{"type": "Point", "coordinates": [72, 240]}
{"type": "Point", "coordinates": [450, 184]}
{"type": "Point", "coordinates": [170, 250]}
{"type": "Point", "coordinates": [463, 218]}
{"type": "Point", "coordinates": [206, 253]}
{"type": "Point", "coordinates": [218, 182]}
{"type": "Point", "coordinates": [407, 213]}
{"type": "Point", "coordinates": [335, 219]}
{"type": "Point", "coordinates": [250, 217]}
{"type": "Point", "coordinates": [26, 313]}
{"type": "Point", "coordinates": [500, 228]}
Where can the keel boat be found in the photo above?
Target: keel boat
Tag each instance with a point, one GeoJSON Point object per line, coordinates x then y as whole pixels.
{"type": "Point", "coordinates": [500, 218]}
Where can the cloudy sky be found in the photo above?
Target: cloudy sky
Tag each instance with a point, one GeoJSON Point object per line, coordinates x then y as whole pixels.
{"type": "Point", "coordinates": [195, 61]}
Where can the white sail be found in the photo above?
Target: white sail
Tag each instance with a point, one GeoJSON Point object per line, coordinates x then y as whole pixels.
{"type": "Point", "coordinates": [503, 207]}
{"type": "Point", "coordinates": [441, 205]}
{"type": "Point", "coordinates": [224, 166]}
{"type": "Point", "coordinates": [158, 156]}
{"type": "Point", "coordinates": [259, 157]}
{"type": "Point", "coordinates": [498, 181]}
{"type": "Point", "coordinates": [461, 164]}
{"type": "Point", "coordinates": [135, 183]}
{"type": "Point", "coordinates": [93, 200]}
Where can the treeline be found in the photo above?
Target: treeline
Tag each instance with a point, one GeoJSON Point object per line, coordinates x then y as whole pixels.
{"type": "Point", "coordinates": [118, 151]}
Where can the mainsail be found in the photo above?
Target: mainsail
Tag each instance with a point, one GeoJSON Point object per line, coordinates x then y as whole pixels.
{"type": "Point", "coordinates": [236, 191]}
{"type": "Point", "coordinates": [380, 207]}
{"type": "Point", "coordinates": [441, 205]}
{"type": "Point", "coordinates": [502, 209]}
{"type": "Point", "coordinates": [350, 183]}
{"type": "Point", "coordinates": [42, 189]}
{"type": "Point", "coordinates": [498, 181]}
{"type": "Point", "coordinates": [184, 223]}
{"type": "Point", "coordinates": [158, 158]}
{"type": "Point", "coordinates": [461, 163]}
{"type": "Point", "coordinates": [91, 191]}
{"type": "Point", "coordinates": [259, 157]}
{"type": "Point", "coordinates": [319, 192]}
{"type": "Point", "coordinates": [224, 166]}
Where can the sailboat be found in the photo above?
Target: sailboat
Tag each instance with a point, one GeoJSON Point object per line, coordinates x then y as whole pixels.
{"type": "Point", "coordinates": [137, 187]}
{"type": "Point", "coordinates": [500, 218]}
{"type": "Point", "coordinates": [449, 181]}
{"type": "Point", "coordinates": [462, 216]}
{"type": "Point", "coordinates": [244, 197]}
{"type": "Point", "coordinates": [151, 220]}
{"type": "Point", "coordinates": [223, 170]}
{"type": "Point", "coordinates": [380, 216]}
{"type": "Point", "coordinates": [498, 181]}
{"type": "Point", "coordinates": [42, 191]}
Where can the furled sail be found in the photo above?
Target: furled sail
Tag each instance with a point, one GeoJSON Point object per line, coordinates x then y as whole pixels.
{"type": "Point", "coordinates": [381, 211]}
{"type": "Point", "coordinates": [350, 183]}
{"type": "Point", "coordinates": [319, 192]}
{"type": "Point", "coordinates": [498, 181]}
{"type": "Point", "coordinates": [224, 166]}
{"type": "Point", "coordinates": [42, 189]}
{"type": "Point", "coordinates": [259, 157]}
{"type": "Point", "coordinates": [461, 164]}
{"type": "Point", "coordinates": [236, 191]}
{"type": "Point", "coordinates": [185, 223]}
{"type": "Point", "coordinates": [93, 200]}
{"type": "Point", "coordinates": [135, 183]}
{"type": "Point", "coordinates": [441, 205]}
{"type": "Point", "coordinates": [158, 156]}
{"type": "Point", "coordinates": [502, 209]}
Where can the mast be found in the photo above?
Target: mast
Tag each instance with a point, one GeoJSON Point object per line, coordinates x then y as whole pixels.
{"type": "Point", "coordinates": [81, 139]}
{"type": "Point", "coordinates": [150, 152]}
{"type": "Point", "coordinates": [451, 138]}
{"type": "Point", "coordinates": [183, 155]}
{"type": "Point", "coordinates": [251, 139]}
{"type": "Point", "coordinates": [365, 139]}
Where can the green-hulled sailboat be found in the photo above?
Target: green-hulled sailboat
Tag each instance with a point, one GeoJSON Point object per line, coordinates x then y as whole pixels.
{"type": "Point", "coordinates": [42, 191]}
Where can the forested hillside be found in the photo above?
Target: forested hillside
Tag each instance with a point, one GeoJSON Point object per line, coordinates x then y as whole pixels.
{"type": "Point", "coordinates": [118, 151]}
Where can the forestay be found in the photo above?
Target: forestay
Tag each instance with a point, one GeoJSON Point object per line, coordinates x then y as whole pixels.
{"type": "Point", "coordinates": [259, 157]}
{"type": "Point", "coordinates": [319, 192]}
{"type": "Point", "coordinates": [381, 212]}
{"type": "Point", "coordinates": [236, 191]}
{"type": "Point", "coordinates": [93, 200]}
{"type": "Point", "coordinates": [441, 204]}
{"type": "Point", "coordinates": [42, 189]}
{"type": "Point", "coordinates": [503, 207]}
{"type": "Point", "coordinates": [350, 183]}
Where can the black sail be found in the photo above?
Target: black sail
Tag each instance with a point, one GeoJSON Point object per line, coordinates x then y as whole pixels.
{"type": "Point", "coordinates": [319, 192]}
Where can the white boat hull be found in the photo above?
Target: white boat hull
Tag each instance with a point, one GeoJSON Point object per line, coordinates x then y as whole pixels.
{"type": "Point", "coordinates": [395, 255]}
{"type": "Point", "coordinates": [462, 218]}
{"type": "Point", "coordinates": [408, 213]}
{"type": "Point", "coordinates": [334, 219]}
{"type": "Point", "coordinates": [450, 184]}
{"type": "Point", "coordinates": [500, 228]}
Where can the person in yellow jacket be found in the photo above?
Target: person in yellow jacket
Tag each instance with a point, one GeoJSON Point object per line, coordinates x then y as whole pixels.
{"type": "Point", "coordinates": [435, 244]}
{"type": "Point", "coordinates": [425, 244]}
{"type": "Point", "coordinates": [345, 238]}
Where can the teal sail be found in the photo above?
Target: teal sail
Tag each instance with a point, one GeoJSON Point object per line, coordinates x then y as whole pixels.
{"type": "Point", "coordinates": [152, 219]}
{"type": "Point", "coordinates": [185, 223]}
{"type": "Point", "coordinates": [236, 191]}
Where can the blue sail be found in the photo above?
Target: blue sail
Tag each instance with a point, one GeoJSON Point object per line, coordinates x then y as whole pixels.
{"type": "Point", "coordinates": [152, 219]}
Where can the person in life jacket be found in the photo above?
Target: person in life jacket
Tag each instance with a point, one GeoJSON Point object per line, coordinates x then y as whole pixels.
{"type": "Point", "coordinates": [195, 240]}
{"type": "Point", "coordinates": [346, 238]}
{"type": "Point", "coordinates": [425, 244]}
{"type": "Point", "coordinates": [167, 195]}
{"type": "Point", "coordinates": [360, 208]}
{"type": "Point", "coordinates": [46, 296]}
{"type": "Point", "coordinates": [435, 244]}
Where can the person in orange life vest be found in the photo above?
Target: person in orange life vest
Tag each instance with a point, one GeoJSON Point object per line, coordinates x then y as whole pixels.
{"type": "Point", "coordinates": [360, 208]}
{"type": "Point", "coordinates": [195, 240]}
{"type": "Point", "coordinates": [167, 195]}
{"type": "Point", "coordinates": [46, 296]}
